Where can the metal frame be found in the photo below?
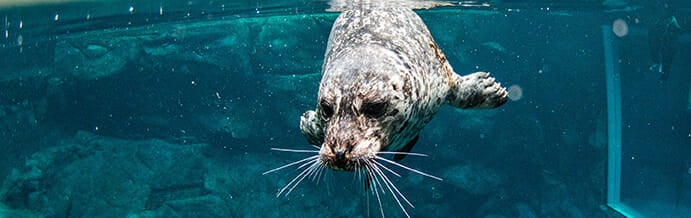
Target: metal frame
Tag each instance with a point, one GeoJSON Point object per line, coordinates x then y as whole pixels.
{"type": "Point", "coordinates": [614, 122]}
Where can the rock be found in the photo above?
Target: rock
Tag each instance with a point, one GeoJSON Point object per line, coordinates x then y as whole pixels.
{"type": "Point", "coordinates": [475, 179]}
{"type": "Point", "coordinates": [525, 211]}
{"type": "Point", "coordinates": [207, 44]}
{"type": "Point", "coordinates": [202, 206]}
{"type": "Point", "coordinates": [8, 212]}
{"type": "Point", "coordinates": [235, 124]}
{"type": "Point", "coordinates": [95, 55]}
{"type": "Point", "coordinates": [91, 176]}
{"type": "Point", "coordinates": [280, 35]}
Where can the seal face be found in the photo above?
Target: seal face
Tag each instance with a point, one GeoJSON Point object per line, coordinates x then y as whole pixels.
{"type": "Point", "coordinates": [383, 80]}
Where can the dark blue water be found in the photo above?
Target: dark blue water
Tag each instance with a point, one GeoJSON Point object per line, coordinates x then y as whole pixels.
{"type": "Point", "coordinates": [171, 108]}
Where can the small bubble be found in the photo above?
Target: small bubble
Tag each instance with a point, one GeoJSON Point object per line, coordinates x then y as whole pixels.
{"type": "Point", "coordinates": [160, 10]}
{"type": "Point", "coordinates": [57, 17]}
{"type": "Point", "coordinates": [620, 28]}
{"type": "Point", "coordinates": [20, 40]}
{"type": "Point", "coordinates": [131, 9]}
{"type": "Point", "coordinates": [21, 24]}
{"type": "Point", "coordinates": [515, 92]}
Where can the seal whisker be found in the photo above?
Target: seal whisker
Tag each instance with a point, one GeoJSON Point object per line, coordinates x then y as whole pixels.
{"type": "Point", "coordinates": [387, 169]}
{"type": "Point", "coordinates": [318, 173]}
{"type": "Point", "coordinates": [285, 187]}
{"type": "Point", "coordinates": [391, 187]}
{"type": "Point", "coordinates": [358, 170]}
{"type": "Point", "coordinates": [290, 164]}
{"type": "Point", "coordinates": [307, 163]}
{"type": "Point", "coordinates": [293, 183]}
{"type": "Point", "coordinates": [374, 177]}
{"type": "Point", "coordinates": [408, 168]}
{"type": "Point", "coordinates": [375, 183]}
{"type": "Point", "coordinates": [406, 153]}
{"type": "Point", "coordinates": [312, 172]}
{"type": "Point", "coordinates": [295, 150]}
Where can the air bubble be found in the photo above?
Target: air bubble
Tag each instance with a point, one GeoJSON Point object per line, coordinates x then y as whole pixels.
{"type": "Point", "coordinates": [620, 28]}
{"type": "Point", "coordinates": [515, 92]}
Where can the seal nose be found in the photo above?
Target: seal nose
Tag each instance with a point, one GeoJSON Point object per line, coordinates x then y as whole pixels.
{"type": "Point", "coordinates": [340, 159]}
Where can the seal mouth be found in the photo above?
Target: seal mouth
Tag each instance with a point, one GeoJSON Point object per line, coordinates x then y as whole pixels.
{"type": "Point", "coordinates": [341, 162]}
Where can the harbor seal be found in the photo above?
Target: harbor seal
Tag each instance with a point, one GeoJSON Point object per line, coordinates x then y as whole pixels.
{"type": "Point", "coordinates": [384, 78]}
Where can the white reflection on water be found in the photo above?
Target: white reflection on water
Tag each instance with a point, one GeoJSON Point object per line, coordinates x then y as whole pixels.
{"type": "Point", "coordinates": [16, 3]}
{"type": "Point", "coordinates": [342, 5]}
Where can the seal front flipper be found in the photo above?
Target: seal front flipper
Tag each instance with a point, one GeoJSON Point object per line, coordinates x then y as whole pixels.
{"type": "Point", "coordinates": [312, 128]}
{"type": "Point", "coordinates": [476, 90]}
{"type": "Point", "coordinates": [406, 148]}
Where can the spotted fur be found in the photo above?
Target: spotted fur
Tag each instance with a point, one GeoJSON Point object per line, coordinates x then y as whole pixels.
{"type": "Point", "coordinates": [383, 80]}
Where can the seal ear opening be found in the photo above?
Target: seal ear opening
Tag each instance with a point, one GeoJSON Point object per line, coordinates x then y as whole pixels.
{"type": "Point", "coordinates": [477, 90]}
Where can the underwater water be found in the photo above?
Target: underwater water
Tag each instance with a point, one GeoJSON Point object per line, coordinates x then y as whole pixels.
{"type": "Point", "coordinates": [122, 108]}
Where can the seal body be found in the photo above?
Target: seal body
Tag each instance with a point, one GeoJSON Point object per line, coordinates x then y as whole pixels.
{"type": "Point", "coordinates": [383, 80]}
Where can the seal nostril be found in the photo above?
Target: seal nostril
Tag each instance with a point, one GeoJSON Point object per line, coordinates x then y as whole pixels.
{"type": "Point", "coordinates": [340, 159]}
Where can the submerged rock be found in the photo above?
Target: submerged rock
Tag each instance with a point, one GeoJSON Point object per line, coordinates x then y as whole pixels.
{"type": "Point", "coordinates": [96, 55]}
{"type": "Point", "coordinates": [89, 176]}
{"type": "Point", "coordinates": [279, 36]}
{"type": "Point", "coordinates": [475, 179]}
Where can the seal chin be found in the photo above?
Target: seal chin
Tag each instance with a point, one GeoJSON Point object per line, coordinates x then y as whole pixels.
{"type": "Point", "coordinates": [344, 162]}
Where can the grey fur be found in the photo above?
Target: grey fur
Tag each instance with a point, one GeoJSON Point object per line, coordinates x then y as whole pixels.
{"type": "Point", "coordinates": [385, 58]}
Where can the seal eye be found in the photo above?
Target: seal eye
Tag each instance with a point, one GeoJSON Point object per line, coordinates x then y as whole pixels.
{"type": "Point", "coordinates": [374, 110]}
{"type": "Point", "coordinates": [326, 110]}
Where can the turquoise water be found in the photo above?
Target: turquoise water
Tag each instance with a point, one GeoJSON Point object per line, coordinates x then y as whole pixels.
{"type": "Point", "coordinates": [171, 108]}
